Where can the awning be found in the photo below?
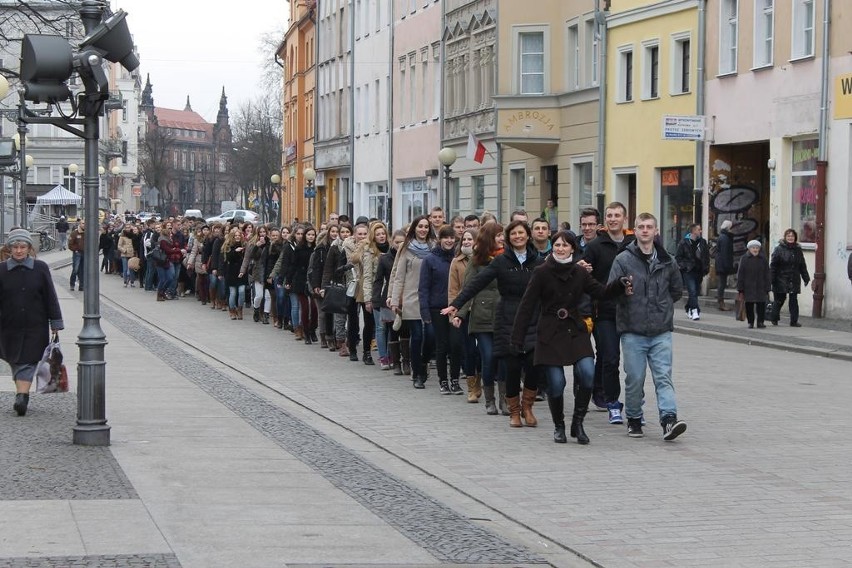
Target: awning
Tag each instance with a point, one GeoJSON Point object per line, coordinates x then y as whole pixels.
{"type": "Point", "coordinates": [59, 196]}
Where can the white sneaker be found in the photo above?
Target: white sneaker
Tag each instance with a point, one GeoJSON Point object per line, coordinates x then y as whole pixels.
{"type": "Point", "coordinates": [696, 315]}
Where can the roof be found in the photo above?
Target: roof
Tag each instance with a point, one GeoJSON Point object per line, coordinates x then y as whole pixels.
{"type": "Point", "coordinates": [186, 119]}
{"type": "Point", "coordinates": [59, 196]}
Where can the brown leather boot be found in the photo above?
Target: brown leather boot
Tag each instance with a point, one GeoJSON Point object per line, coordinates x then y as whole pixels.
{"type": "Point", "coordinates": [471, 389]}
{"type": "Point", "coordinates": [342, 348]}
{"type": "Point", "coordinates": [161, 297]}
{"type": "Point", "coordinates": [240, 313]}
{"type": "Point", "coordinates": [514, 403]}
{"type": "Point", "coordinates": [233, 313]}
{"type": "Point", "coordinates": [526, 407]}
{"type": "Point", "coordinates": [723, 307]}
{"type": "Point", "coordinates": [298, 335]}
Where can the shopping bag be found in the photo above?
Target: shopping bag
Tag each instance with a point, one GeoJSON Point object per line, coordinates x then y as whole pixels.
{"type": "Point", "coordinates": [51, 374]}
{"type": "Point", "coordinates": [739, 307]}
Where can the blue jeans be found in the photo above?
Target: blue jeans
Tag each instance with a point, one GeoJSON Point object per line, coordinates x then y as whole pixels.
{"type": "Point", "coordinates": [236, 296]}
{"type": "Point", "coordinates": [165, 277]}
{"type": "Point", "coordinates": [641, 352]}
{"type": "Point", "coordinates": [584, 371]}
{"type": "Point", "coordinates": [692, 282]}
{"type": "Point", "coordinates": [150, 271]}
{"type": "Point", "coordinates": [381, 333]}
{"type": "Point", "coordinates": [282, 303]}
{"type": "Point", "coordinates": [485, 345]}
{"type": "Point", "coordinates": [295, 311]}
{"type": "Point", "coordinates": [172, 289]}
{"type": "Point", "coordinates": [129, 275]}
{"type": "Point", "coordinates": [76, 268]}
{"type": "Point", "coordinates": [608, 356]}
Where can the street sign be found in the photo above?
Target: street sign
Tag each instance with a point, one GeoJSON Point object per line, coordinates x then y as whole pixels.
{"type": "Point", "coordinates": [683, 127]}
{"type": "Point", "coordinates": [310, 192]}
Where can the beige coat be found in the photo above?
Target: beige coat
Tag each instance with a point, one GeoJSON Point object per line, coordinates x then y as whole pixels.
{"type": "Point", "coordinates": [125, 247]}
{"type": "Point", "coordinates": [405, 283]}
{"type": "Point", "coordinates": [456, 283]}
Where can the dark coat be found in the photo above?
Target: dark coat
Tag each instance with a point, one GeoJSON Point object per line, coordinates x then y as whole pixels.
{"type": "Point", "coordinates": [62, 226]}
{"type": "Point", "coordinates": [512, 280]}
{"type": "Point", "coordinates": [725, 253]}
{"type": "Point", "coordinates": [317, 265]}
{"type": "Point", "coordinates": [434, 281]}
{"type": "Point", "coordinates": [601, 253]}
{"type": "Point", "coordinates": [481, 311]}
{"type": "Point", "coordinates": [559, 341]}
{"type": "Point", "coordinates": [28, 305]}
{"type": "Point", "coordinates": [381, 281]}
{"type": "Point", "coordinates": [788, 268]}
{"type": "Point", "coordinates": [753, 278]}
{"type": "Point", "coordinates": [233, 260]}
{"type": "Point", "coordinates": [296, 272]}
{"type": "Point", "coordinates": [693, 256]}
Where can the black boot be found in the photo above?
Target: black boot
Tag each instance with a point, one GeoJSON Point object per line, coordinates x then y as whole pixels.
{"type": "Point", "coordinates": [405, 356]}
{"type": "Point", "coordinates": [393, 352]}
{"type": "Point", "coordinates": [256, 316]}
{"type": "Point", "coordinates": [556, 405]}
{"type": "Point", "coordinates": [22, 400]}
{"type": "Point", "coordinates": [581, 406]}
{"type": "Point", "coordinates": [353, 352]}
{"type": "Point", "coordinates": [314, 337]}
{"type": "Point", "coordinates": [308, 340]}
{"type": "Point", "coordinates": [265, 318]}
{"type": "Point", "coordinates": [368, 358]}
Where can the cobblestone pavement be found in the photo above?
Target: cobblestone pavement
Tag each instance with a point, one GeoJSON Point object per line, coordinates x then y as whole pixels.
{"type": "Point", "coordinates": [111, 561]}
{"type": "Point", "coordinates": [40, 462]}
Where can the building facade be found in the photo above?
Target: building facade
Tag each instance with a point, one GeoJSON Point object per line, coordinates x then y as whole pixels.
{"type": "Point", "coordinates": [764, 98]}
{"type": "Point", "coordinates": [298, 53]}
{"type": "Point", "coordinates": [120, 140]}
{"type": "Point", "coordinates": [547, 106]}
{"type": "Point", "coordinates": [469, 85]}
{"type": "Point", "coordinates": [333, 143]}
{"type": "Point", "coordinates": [650, 74]}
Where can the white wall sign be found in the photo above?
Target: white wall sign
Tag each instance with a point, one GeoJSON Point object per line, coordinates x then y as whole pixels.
{"type": "Point", "coordinates": [683, 127]}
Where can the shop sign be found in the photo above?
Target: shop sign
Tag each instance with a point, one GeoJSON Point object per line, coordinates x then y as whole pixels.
{"type": "Point", "coordinates": [683, 127]}
{"type": "Point", "coordinates": [670, 178]}
{"type": "Point", "coordinates": [290, 151]}
{"type": "Point", "coordinates": [843, 96]}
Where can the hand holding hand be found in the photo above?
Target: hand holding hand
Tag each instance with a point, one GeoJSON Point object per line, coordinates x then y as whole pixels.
{"type": "Point", "coordinates": [449, 311]}
{"type": "Point", "coordinates": [456, 321]}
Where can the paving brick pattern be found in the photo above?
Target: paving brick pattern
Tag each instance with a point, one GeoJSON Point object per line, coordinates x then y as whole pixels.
{"type": "Point", "coordinates": [110, 561]}
{"type": "Point", "coordinates": [440, 530]}
{"type": "Point", "coordinates": [40, 461]}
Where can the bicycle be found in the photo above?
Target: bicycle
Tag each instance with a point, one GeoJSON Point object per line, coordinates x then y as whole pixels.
{"type": "Point", "coordinates": [46, 242]}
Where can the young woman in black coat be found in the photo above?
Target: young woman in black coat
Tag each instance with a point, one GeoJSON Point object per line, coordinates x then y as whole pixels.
{"type": "Point", "coordinates": [788, 269]}
{"type": "Point", "coordinates": [29, 313]}
{"type": "Point", "coordinates": [512, 270]}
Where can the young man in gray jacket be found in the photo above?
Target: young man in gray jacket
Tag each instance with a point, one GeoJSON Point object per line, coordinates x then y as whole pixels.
{"type": "Point", "coordinates": [645, 322]}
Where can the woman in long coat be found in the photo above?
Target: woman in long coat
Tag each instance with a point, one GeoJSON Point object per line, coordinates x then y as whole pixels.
{"type": "Point", "coordinates": [555, 293]}
{"type": "Point", "coordinates": [29, 312]}
{"type": "Point", "coordinates": [754, 283]}
{"type": "Point", "coordinates": [788, 269]}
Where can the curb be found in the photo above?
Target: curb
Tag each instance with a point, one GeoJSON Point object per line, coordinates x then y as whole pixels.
{"type": "Point", "coordinates": [817, 351]}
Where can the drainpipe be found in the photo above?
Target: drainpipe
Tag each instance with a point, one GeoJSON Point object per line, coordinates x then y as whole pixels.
{"type": "Point", "coordinates": [389, 99]}
{"type": "Point", "coordinates": [698, 176]}
{"type": "Point", "coordinates": [822, 167]}
{"type": "Point", "coordinates": [600, 21]}
{"type": "Point", "coordinates": [351, 192]}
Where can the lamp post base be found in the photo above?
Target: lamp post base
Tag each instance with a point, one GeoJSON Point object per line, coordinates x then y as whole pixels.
{"type": "Point", "coordinates": [96, 435]}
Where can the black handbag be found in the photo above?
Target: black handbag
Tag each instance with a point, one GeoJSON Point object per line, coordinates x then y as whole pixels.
{"type": "Point", "coordinates": [335, 300]}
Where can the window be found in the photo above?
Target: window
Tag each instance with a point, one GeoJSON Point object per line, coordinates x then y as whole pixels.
{"type": "Point", "coordinates": [651, 71]}
{"type": "Point", "coordinates": [582, 182]}
{"type": "Point", "coordinates": [415, 199]}
{"type": "Point", "coordinates": [531, 63]}
{"type": "Point", "coordinates": [377, 196]}
{"type": "Point", "coordinates": [573, 57]}
{"type": "Point", "coordinates": [477, 193]}
{"type": "Point", "coordinates": [764, 32]}
{"type": "Point", "coordinates": [805, 155]}
{"type": "Point", "coordinates": [625, 74]}
{"type": "Point", "coordinates": [517, 185]}
{"type": "Point", "coordinates": [728, 25]}
{"type": "Point", "coordinates": [402, 86]}
{"type": "Point", "coordinates": [803, 28]}
{"type": "Point", "coordinates": [681, 63]}
{"type": "Point", "coordinates": [69, 180]}
{"type": "Point", "coordinates": [412, 87]}
{"type": "Point", "coordinates": [591, 53]}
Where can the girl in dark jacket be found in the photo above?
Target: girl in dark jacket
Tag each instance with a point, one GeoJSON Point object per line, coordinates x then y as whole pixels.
{"type": "Point", "coordinates": [385, 317]}
{"type": "Point", "coordinates": [166, 269]}
{"type": "Point", "coordinates": [556, 292]}
{"type": "Point", "coordinates": [233, 250]}
{"type": "Point", "coordinates": [210, 256]}
{"type": "Point", "coordinates": [754, 283]}
{"type": "Point", "coordinates": [432, 293]}
{"type": "Point", "coordinates": [282, 269]}
{"type": "Point", "coordinates": [318, 260]}
{"type": "Point", "coordinates": [296, 281]}
{"type": "Point", "coordinates": [788, 269]}
{"type": "Point", "coordinates": [512, 270]}
{"type": "Point", "coordinates": [106, 245]}
{"type": "Point", "coordinates": [29, 312]}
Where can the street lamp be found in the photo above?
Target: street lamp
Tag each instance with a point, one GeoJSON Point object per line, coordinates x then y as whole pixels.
{"type": "Point", "coordinates": [275, 180]}
{"type": "Point", "coordinates": [447, 157]}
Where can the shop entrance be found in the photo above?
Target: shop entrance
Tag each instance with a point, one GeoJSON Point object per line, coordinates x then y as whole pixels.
{"type": "Point", "coordinates": [676, 205]}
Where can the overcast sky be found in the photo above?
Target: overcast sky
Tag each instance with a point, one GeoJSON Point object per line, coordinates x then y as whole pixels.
{"type": "Point", "coordinates": [195, 47]}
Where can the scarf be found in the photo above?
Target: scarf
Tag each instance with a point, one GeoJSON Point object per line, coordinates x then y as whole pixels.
{"type": "Point", "coordinates": [467, 251]}
{"type": "Point", "coordinates": [383, 247]}
{"type": "Point", "coordinates": [418, 249]}
{"type": "Point", "coordinates": [565, 260]}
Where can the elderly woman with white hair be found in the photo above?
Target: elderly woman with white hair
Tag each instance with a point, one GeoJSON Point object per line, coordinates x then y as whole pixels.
{"type": "Point", "coordinates": [754, 283]}
{"type": "Point", "coordinates": [29, 313]}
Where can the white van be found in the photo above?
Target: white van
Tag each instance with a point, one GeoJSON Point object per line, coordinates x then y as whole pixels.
{"type": "Point", "coordinates": [194, 213]}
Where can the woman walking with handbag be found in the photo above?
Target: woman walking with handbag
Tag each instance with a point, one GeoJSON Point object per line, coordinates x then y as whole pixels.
{"type": "Point", "coordinates": [788, 269]}
{"type": "Point", "coordinates": [29, 313]}
{"type": "Point", "coordinates": [754, 283]}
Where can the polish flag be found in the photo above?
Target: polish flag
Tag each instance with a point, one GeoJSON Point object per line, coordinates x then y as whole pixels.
{"type": "Point", "coordinates": [475, 149]}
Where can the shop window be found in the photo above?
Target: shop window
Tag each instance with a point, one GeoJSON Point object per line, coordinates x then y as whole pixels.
{"type": "Point", "coordinates": [804, 189]}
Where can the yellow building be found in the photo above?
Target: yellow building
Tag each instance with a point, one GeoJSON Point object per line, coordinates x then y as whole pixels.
{"type": "Point", "coordinates": [547, 106]}
{"type": "Point", "coordinates": [652, 52]}
{"type": "Point", "coordinates": [297, 55]}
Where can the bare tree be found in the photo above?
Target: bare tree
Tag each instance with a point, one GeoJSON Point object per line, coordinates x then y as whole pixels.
{"type": "Point", "coordinates": [257, 142]}
{"type": "Point", "coordinates": [155, 162]}
{"type": "Point", "coordinates": [272, 74]}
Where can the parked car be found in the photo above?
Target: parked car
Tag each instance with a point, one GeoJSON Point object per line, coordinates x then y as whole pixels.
{"type": "Point", "coordinates": [145, 215]}
{"type": "Point", "coordinates": [229, 215]}
{"type": "Point", "coordinates": [193, 214]}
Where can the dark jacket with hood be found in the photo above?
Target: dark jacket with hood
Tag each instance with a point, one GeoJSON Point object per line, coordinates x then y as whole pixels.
{"type": "Point", "coordinates": [601, 253]}
{"type": "Point", "coordinates": [512, 280]}
{"type": "Point", "coordinates": [725, 253]}
{"type": "Point", "coordinates": [657, 285]}
{"type": "Point", "coordinates": [434, 281]}
{"type": "Point", "coordinates": [693, 255]}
